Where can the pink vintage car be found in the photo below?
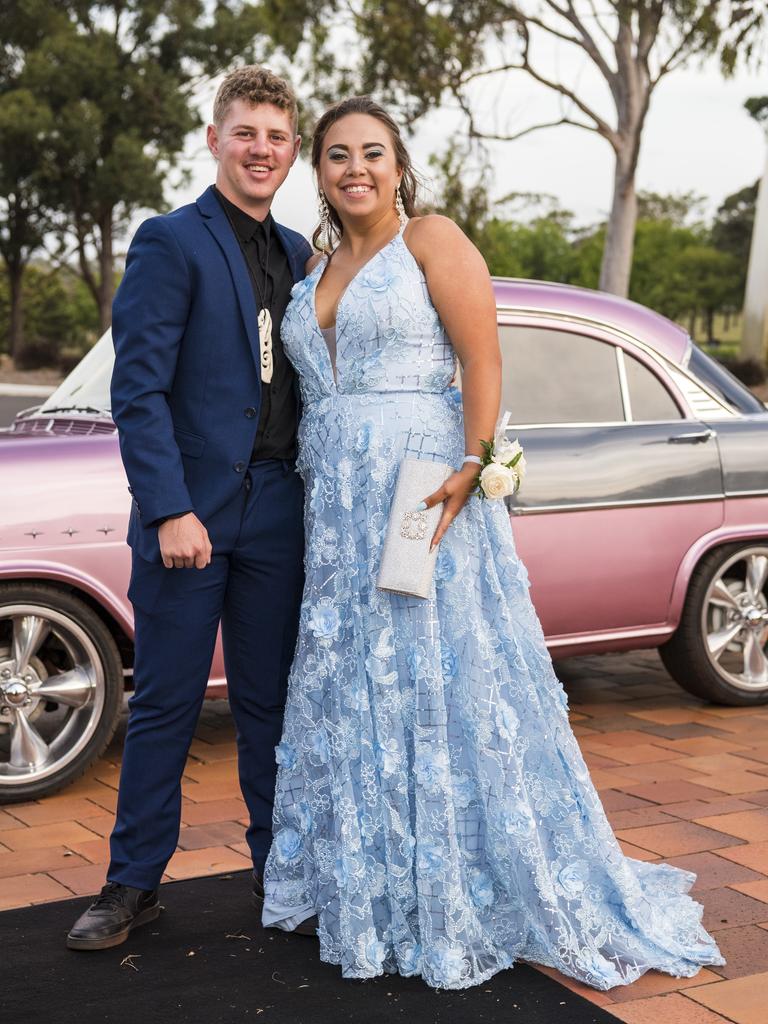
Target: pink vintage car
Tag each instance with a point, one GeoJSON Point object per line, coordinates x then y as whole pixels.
{"type": "Point", "coordinates": [643, 521]}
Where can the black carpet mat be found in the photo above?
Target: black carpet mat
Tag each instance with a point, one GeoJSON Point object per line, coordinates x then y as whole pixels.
{"type": "Point", "coordinates": [207, 960]}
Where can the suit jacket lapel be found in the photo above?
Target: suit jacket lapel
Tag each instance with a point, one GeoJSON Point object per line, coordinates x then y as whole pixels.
{"type": "Point", "coordinates": [217, 223]}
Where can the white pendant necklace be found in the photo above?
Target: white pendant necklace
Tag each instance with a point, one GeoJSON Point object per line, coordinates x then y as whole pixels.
{"type": "Point", "coordinates": [265, 344]}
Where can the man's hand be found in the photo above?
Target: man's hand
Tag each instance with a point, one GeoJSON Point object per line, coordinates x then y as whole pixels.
{"type": "Point", "coordinates": [184, 543]}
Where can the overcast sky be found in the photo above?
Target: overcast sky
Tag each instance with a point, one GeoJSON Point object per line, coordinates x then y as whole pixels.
{"type": "Point", "coordinates": [698, 138]}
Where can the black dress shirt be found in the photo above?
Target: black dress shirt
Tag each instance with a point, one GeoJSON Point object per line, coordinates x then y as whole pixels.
{"type": "Point", "coordinates": [272, 281]}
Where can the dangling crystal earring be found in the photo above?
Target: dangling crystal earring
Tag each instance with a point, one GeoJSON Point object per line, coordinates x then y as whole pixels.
{"type": "Point", "coordinates": [402, 216]}
{"type": "Point", "coordinates": [325, 219]}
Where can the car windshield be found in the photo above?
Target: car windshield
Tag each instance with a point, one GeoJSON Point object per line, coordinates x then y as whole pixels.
{"type": "Point", "coordinates": [86, 388]}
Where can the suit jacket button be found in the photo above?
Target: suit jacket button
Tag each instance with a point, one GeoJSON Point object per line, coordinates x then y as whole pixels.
{"type": "Point", "coordinates": [250, 412]}
{"type": "Point", "coordinates": [239, 467]}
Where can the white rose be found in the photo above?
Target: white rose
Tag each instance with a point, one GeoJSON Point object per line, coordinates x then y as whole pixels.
{"type": "Point", "coordinates": [498, 481]}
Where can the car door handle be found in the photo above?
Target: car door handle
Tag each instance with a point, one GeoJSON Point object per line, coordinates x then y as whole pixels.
{"type": "Point", "coordinates": [692, 437]}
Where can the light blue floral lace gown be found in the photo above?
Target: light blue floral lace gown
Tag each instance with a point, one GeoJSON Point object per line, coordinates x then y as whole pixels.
{"type": "Point", "coordinates": [432, 805]}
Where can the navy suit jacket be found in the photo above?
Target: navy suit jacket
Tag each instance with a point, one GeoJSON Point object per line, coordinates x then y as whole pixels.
{"type": "Point", "coordinates": [186, 387]}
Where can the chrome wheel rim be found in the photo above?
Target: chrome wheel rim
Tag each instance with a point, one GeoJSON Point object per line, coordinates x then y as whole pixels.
{"type": "Point", "coordinates": [51, 692]}
{"type": "Point", "coordinates": [735, 620]}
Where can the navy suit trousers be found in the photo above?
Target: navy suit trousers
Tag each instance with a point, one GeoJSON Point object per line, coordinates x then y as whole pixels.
{"type": "Point", "coordinates": [253, 587]}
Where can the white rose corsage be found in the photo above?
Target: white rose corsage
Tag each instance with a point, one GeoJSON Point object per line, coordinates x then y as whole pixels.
{"type": "Point", "coordinates": [502, 466]}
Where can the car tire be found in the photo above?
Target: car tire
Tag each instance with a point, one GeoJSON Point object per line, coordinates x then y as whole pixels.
{"type": "Point", "coordinates": [718, 651]}
{"type": "Point", "coordinates": [61, 689]}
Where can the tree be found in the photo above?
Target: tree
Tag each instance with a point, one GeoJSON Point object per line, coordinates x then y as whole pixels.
{"type": "Point", "coordinates": [420, 53]}
{"type": "Point", "coordinates": [25, 168]}
{"type": "Point", "coordinates": [116, 79]}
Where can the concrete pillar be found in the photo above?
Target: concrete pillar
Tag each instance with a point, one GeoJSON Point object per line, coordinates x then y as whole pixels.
{"type": "Point", "coordinates": [754, 342]}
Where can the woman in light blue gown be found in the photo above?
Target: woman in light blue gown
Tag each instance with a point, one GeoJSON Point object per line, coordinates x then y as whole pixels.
{"type": "Point", "coordinates": [432, 806]}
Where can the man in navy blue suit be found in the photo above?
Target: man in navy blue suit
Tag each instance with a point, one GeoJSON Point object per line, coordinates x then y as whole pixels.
{"type": "Point", "coordinates": [206, 406]}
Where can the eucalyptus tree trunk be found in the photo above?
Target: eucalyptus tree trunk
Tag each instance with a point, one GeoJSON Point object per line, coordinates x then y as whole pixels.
{"type": "Point", "coordinates": [754, 341]}
{"type": "Point", "coordinates": [616, 265]}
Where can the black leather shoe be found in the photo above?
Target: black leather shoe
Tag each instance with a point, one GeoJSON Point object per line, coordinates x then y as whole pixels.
{"type": "Point", "coordinates": [111, 917]}
{"type": "Point", "coordinates": [308, 927]}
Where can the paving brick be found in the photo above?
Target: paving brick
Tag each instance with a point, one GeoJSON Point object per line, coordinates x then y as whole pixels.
{"type": "Point", "coordinates": [666, 716]}
{"type": "Point", "coordinates": [745, 950]}
{"type": "Point", "coordinates": [593, 760]}
{"type": "Point", "coordinates": [751, 855]}
{"type": "Point", "coordinates": [635, 819]}
{"type": "Point", "coordinates": [643, 753]}
{"type": "Point", "coordinates": [96, 851]}
{"type": "Point", "coordinates": [215, 771]}
{"type": "Point", "coordinates": [749, 825]}
{"type": "Point", "coordinates": [49, 812]}
{"type": "Point", "coordinates": [615, 800]}
{"type": "Point", "coordinates": [757, 889]}
{"type": "Point", "coordinates": [758, 756]}
{"type": "Point", "coordinates": [21, 890]}
{"type": "Point", "coordinates": [726, 908]}
{"type": "Point", "coordinates": [713, 871]}
{"type": "Point", "coordinates": [742, 1000]}
{"type": "Point", "coordinates": [693, 809]}
{"type": "Point", "coordinates": [8, 821]}
{"type": "Point", "coordinates": [46, 859]}
{"type": "Point", "coordinates": [671, 1009]}
{"type": "Point", "coordinates": [605, 778]}
{"type": "Point", "coordinates": [220, 833]}
{"type": "Point", "coordinates": [713, 764]}
{"type": "Point", "coordinates": [212, 810]}
{"type": "Point", "coordinates": [662, 771]}
{"type": "Point", "coordinates": [736, 782]}
{"type": "Point", "coordinates": [699, 746]}
{"type": "Point", "coordinates": [207, 752]}
{"type": "Point", "coordinates": [102, 825]}
{"type": "Point", "coordinates": [86, 880]}
{"type": "Point", "coordinates": [622, 738]}
{"type": "Point", "coordinates": [654, 983]}
{"type": "Point", "coordinates": [637, 852]}
{"type": "Point", "coordinates": [676, 838]}
{"type": "Point", "coordinates": [672, 791]}
{"type": "Point", "coordinates": [210, 861]}
{"type": "Point", "coordinates": [687, 731]}
{"type": "Point", "coordinates": [201, 792]}
{"type": "Point", "coordinates": [61, 833]}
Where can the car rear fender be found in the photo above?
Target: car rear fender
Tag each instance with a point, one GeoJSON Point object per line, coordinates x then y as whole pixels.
{"type": "Point", "coordinates": [726, 534]}
{"type": "Point", "coordinates": [115, 605]}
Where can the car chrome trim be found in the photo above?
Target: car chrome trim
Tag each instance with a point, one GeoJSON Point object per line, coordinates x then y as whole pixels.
{"type": "Point", "coordinates": [578, 506]}
{"type": "Point", "coordinates": [623, 384]}
{"type": "Point", "coordinates": [747, 494]}
{"type": "Point", "coordinates": [644, 632]}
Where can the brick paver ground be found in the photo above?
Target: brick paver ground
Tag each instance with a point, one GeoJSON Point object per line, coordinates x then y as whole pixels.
{"type": "Point", "coordinates": [680, 780]}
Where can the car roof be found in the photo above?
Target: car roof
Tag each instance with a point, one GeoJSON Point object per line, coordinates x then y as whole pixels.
{"type": "Point", "coordinates": [666, 337]}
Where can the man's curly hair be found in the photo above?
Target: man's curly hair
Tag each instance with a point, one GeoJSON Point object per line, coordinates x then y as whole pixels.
{"type": "Point", "coordinates": [255, 85]}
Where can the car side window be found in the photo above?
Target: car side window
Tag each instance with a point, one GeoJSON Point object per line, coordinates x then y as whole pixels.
{"type": "Point", "coordinates": [553, 376]}
{"type": "Point", "coordinates": [648, 397]}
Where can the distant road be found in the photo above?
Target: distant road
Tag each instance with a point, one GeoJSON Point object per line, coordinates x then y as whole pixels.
{"type": "Point", "coordinates": [15, 397]}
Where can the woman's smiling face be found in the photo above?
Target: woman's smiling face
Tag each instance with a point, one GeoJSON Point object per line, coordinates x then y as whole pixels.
{"type": "Point", "coordinates": [358, 170]}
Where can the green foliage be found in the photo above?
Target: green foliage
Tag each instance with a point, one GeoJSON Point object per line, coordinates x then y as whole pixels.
{"type": "Point", "coordinates": [60, 321]}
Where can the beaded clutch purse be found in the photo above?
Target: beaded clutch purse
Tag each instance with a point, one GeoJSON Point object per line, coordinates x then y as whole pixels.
{"type": "Point", "coordinates": [406, 563]}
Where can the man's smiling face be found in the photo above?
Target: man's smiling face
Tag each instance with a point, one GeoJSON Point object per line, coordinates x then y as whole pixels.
{"type": "Point", "coordinates": [255, 148]}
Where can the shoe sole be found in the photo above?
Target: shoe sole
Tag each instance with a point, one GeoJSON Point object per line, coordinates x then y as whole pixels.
{"type": "Point", "coordinates": [150, 914]}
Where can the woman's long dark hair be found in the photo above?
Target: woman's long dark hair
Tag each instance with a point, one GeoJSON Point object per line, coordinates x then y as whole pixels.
{"type": "Point", "coordinates": [365, 105]}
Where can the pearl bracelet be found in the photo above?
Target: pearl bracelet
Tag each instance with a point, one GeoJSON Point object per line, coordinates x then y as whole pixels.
{"type": "Point", "coordinates": [473, 458]}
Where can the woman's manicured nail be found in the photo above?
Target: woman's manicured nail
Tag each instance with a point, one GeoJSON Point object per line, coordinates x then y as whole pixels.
{"type": "Point", "coordinates": [421, 506]}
